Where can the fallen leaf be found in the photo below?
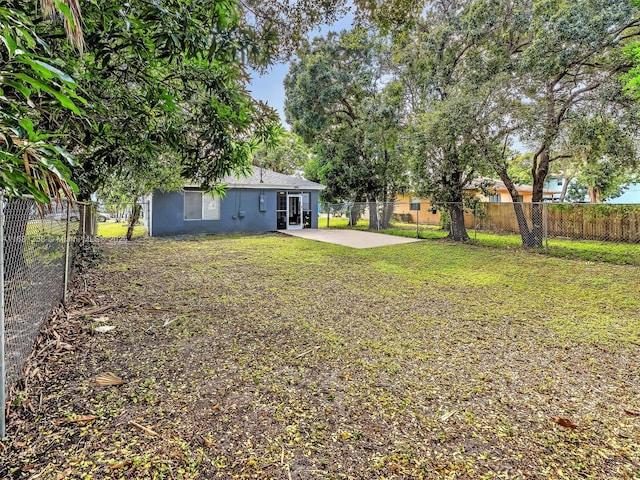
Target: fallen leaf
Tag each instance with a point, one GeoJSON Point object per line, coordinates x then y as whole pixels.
{"type": "Point", "coordinates": [91, 311]}
{"type": "Point", "coordinates": [101, 319]}
{"type": "Point", "coordinates": [155, 310]}
{"type": "Point", "coordinates": [118, 465]}
{"type": "Point", "coordinates": [208, 443]}
{"type": "Point", "coordinates": [308, 351]}
{"type": "Point", "coordinates": [64, 474]}
{"type": "Point", "coordinates": [565, 422]}
{"type": "Point", "coordinates": [447, 416]}
{"type": "Point", "coordinates": [144, 429]}
{"type": "Point", "coordinates": [104, 328]}
{"type": "Point", "coordinates": [107, 379]}
{"type": "Point", "coordinates": [79, 419]}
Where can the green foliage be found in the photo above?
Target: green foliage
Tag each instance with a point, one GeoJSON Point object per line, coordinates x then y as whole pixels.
{"type": "Point", "coordinates": [287, 155]}
{"type": "Point", "coordinates": [449, 80]}
{"type": "Point", "coordinates": [337, 100]}
{"type": "Point", "coordinates": [167, 88]}
{"type": "Point", "coordinates": [33, 87]}
{"type": "Point", "coordinates": [519, 170]}
{"type": "Point", "coordinates": [604, 155]}
{"type": "Point", "coordinates": [576, 193]}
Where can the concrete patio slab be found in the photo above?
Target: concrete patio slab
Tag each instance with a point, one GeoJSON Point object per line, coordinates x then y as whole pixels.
{"type": "Point", "coordinates": [350, 238]}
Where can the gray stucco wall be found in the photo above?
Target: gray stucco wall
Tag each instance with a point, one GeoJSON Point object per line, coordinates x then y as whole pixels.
{"type": "Point", "coordinates": [168, 213]}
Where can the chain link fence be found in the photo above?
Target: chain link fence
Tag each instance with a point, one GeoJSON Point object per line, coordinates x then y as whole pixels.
{"type": "Point", "coordinates": [36, 249]}
{"type": "Point", "coordinates": [601, 222]}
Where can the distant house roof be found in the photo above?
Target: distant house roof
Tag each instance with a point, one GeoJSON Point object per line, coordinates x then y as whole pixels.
{"type": "Point", "coordinates": [494, 184]}
{"type": "Point", "coordinates": [264, 178]}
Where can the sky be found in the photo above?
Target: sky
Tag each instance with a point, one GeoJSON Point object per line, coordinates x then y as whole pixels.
{"type": "Point", "coordinates": [270, 86]}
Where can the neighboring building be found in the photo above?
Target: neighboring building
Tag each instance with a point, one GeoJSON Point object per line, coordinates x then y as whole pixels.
{"type": "Point", "coordinates": [553, 187]}
{"type": "Point", "coordinates": [495, 191]}
{"type": "Point", "coordinates": [631, 195]}
{"type": "Point", "coordinates": [264, 201]}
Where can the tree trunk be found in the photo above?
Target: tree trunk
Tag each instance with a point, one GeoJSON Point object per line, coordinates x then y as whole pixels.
{"type": "Point", "coordinates": [565, 188]}
{"type": "Point", "coordinates": [16, 216]}
{"type": "Point", "coordinates": [537, 230]}
{"type": "Point", "coordinates": [457, 230]}
{"type": "Point", "coordinates": [539, 171]}
{"type": "Point", "coordinates": [354, 214]}
{"type": "Point", "coordinates": [387, 213]}
{"type": "Point", "coordinates": [523, 226]}
{"type": "Point", "coordinates": [373, 216]}
{"type": "Point", "coordinates": [87, 228]}
{"type": "Point", "coordinates": [133, 219]}
{"type": "Point", "coordinates": [594, 195]}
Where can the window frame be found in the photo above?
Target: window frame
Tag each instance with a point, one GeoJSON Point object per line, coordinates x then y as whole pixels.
{"type": "Point", "coordinates": [205, 201]}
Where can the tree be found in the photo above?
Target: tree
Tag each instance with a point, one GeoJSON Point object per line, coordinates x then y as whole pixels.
{"type": "Point", "coordinates": [337, 100]}
{"type": "Point", "coordinates": [287, 155]}
{"type": "Point", "coordinates": [162, 79]}
{"type": "Point", "coordinates": [164, 76]}
{"type": "Point", "coordinates": [446, 158]}
{"type": "Point", "coordinates": [604, 156]}
{"type": "Point", "coordinates": [538, 68]}
{"type": "Point", "coordinates": [33, 86]}
{"type": "Point", "coordinates": [441, 64]}
{"type": "Point", "coordinates": [565, 61]}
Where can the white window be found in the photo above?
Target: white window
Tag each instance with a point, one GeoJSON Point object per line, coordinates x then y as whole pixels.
{"type": "Point", "coordinates": [494, 198]}
{"type": "Point", "coordinates": [201, 206]}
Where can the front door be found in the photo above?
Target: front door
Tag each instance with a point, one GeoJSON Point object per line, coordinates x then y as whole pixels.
{"type": "Point", "coordinates": [294, 212]}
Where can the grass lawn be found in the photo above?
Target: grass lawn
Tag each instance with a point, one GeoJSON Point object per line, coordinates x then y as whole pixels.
{"type": "Point", "coordinates": [278, 357]}
{"type": "Point", "coordinates": [590, 250]}
{"type": "Point", "coordinates": [119, 230]}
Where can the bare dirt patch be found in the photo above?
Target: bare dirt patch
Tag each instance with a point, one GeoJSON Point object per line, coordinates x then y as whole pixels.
{"type": "Point", "coordinates": [276, 357]}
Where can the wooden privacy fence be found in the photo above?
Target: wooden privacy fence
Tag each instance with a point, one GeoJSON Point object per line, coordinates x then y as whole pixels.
{"type": "Point", "coordinates": [617, 223]}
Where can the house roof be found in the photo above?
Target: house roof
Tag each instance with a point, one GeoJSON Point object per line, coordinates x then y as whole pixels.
{"type": "Point", "coordinates": [265, 178]}
{"type": "Point", "coordinates": [495, 184]}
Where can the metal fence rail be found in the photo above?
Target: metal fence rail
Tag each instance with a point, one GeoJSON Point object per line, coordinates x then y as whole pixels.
{"type": "Point", "coordinates": [35, 269]}
{"type": "Point", "coordinates": [609, 223]}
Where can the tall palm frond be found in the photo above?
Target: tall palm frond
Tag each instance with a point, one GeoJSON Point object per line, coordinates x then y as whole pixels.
{"type": "Point", "coordinates": [69, 10]}
{"type": "Point", "coordinates": [35, 168]}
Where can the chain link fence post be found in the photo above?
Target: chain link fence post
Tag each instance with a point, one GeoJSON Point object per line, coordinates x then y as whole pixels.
{"type": "Point", "coordinates": [475, 222]}
{"type": "Point", "coordinates": [329, 206]}
{"type": "Point", "coordinates": [545, 225]}
{"type": "Point", "coordinates": [3, 370]}
{"type": "Point", "coordinates": [67, 251]}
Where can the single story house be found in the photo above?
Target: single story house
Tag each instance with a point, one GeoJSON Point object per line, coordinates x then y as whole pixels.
{"type": "Point", "coordinates": [485, 189]}
{"type": "Point", "coordinates": [497, 192]}
{"type": "Point", "coordinates": [264, 201]}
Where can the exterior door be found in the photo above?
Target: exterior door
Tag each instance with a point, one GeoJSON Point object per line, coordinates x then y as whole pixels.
{"type": "Point", "coordinates": [294, 212]}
